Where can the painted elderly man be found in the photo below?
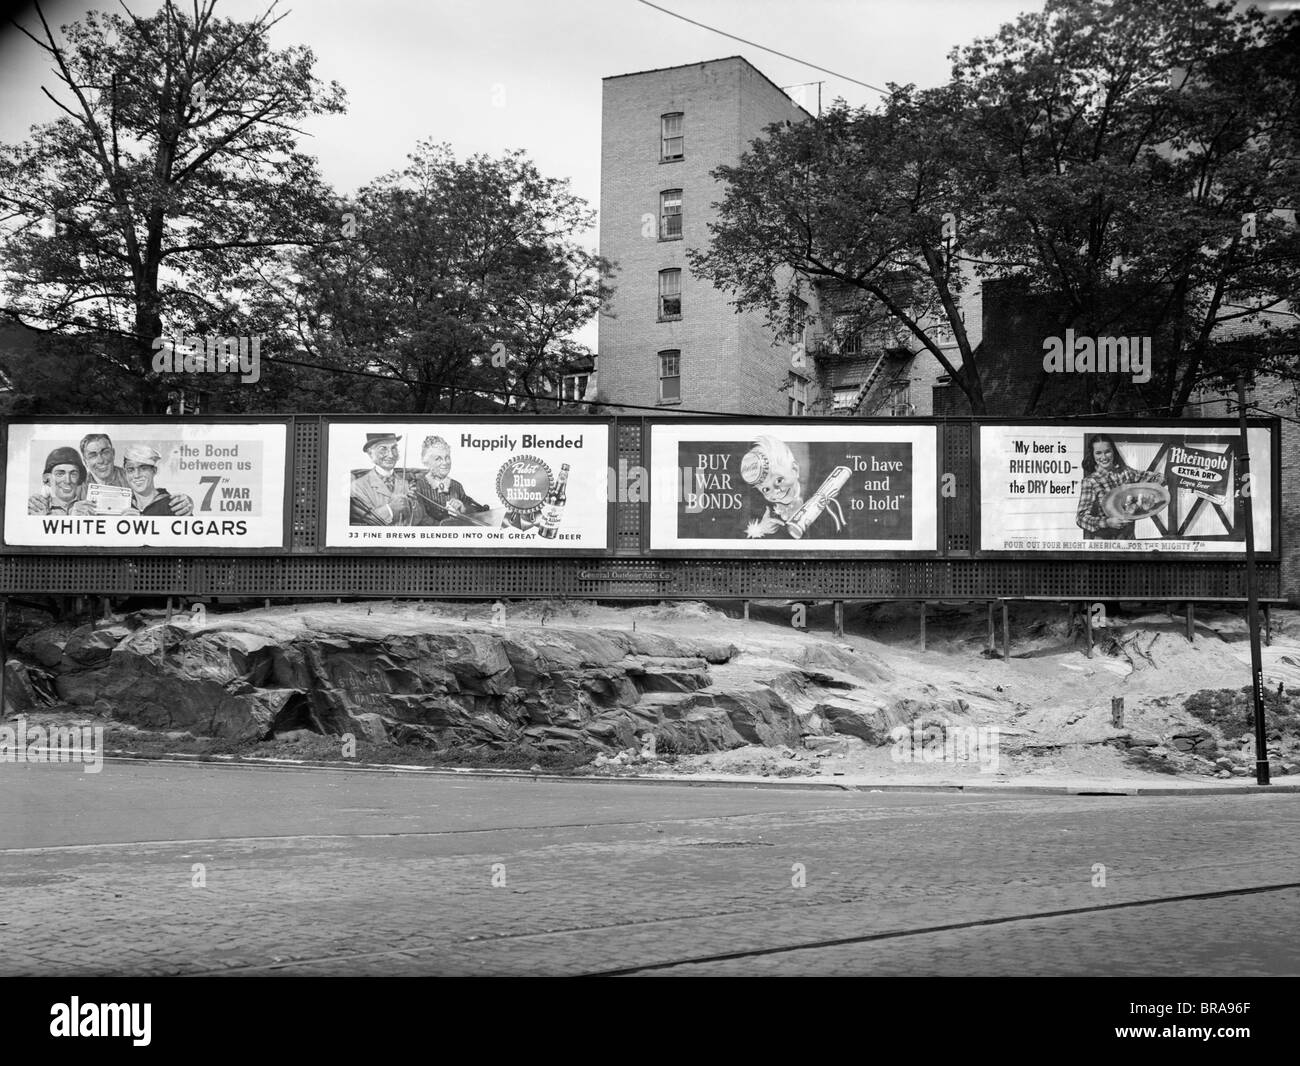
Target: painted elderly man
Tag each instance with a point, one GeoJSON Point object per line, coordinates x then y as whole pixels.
{"type": "Point", "coordinates": [381, 496]}
{"type": "Point", "coordinates": [98, 452]}
{"type": "Point", "coordinates": [63, 477]}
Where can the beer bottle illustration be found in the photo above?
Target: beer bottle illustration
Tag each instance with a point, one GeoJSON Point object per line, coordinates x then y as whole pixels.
{"type": "Point", "coordinates": [548, 524]}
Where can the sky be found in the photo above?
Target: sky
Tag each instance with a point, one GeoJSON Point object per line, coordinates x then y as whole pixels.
{"type": "Point", "coordinates": [493, 75]}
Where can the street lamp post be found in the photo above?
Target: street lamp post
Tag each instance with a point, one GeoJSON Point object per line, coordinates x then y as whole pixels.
{"type": "Point", "coordinates": [1252, 594]}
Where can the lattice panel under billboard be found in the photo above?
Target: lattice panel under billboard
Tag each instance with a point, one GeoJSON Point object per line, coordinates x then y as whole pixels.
{"type": "Point", "coordinates": [305, 473]}
{"type": "Point", "coordinates": [605, 578]}
{"type": "Point", "coordinates": [630, 437]}
{"type": "Point", "coordinates": [956, 512]}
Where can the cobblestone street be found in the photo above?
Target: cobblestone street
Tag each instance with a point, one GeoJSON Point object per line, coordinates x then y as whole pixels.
{"type": "Point", "coordinates": [349, 873]}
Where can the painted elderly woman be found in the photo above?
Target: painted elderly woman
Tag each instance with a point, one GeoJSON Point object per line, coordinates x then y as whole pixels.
{"type": "Point", "coordinates": [140, 464]}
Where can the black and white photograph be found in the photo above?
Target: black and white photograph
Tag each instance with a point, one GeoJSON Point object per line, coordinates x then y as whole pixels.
{"type": "Point", "coordinates": [734, 489]}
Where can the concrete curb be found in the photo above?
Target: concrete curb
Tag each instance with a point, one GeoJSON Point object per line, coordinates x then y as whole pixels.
{"type": "Point", "coordinates": [697, 781]}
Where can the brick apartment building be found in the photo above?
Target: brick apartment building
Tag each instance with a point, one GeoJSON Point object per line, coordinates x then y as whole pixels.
{"type": "Point", "coordinates": [669, 340]}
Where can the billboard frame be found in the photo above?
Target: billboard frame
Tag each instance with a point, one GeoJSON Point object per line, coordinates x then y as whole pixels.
{"type": "Point", "coordinates": [322, 488]}
{"type": "Point", "coordinates": [286, 526]}
{"type": "Point", "coordinates": [1272, 424]}
{"type": "Point", "coordinates": [738, 554]}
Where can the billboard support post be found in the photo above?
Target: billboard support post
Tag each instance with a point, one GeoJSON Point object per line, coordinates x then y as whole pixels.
{"type": "Point", "coordinates": [4, 649]}
{"type": "Point", "coordinates": [1252, 595]}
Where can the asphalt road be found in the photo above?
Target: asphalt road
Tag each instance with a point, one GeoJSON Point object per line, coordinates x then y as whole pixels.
{"type": "Point", "coordinates": [148, 868]}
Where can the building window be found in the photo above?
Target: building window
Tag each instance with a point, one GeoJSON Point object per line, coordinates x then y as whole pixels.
{"type": "Point", "coordinates": [798, 396]}
{"type": "Point", "coordinates": [670, 215]}
{"type": "Point", "coordinates": [845, 398]}
{"type": "Point", "coordinates": [670, 137]}
{"type": "Point", "coordinates": [900, 399]}
{"type": "Point", "coordinates": [670, 377]}
{"type": "Point", "coordinates": [574, 387]}
{"type": "Point", "coordinates": [670, 295]}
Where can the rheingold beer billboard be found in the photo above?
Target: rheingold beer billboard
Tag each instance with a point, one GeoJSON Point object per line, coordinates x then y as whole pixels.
{"type": "Point", "coordinates": [193, 486]}
{"type": "Point", "coordinates": [464, 484]}
{"type": "Point", "coordinates": [806, 487]}
{"type": "Point", "coordinates": [1108, 488]}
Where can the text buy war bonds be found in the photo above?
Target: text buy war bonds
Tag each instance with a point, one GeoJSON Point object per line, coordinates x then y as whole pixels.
{"type": "Point", "coordinates": [438, 485]}
{"type": "Point", "coordinates": [126, 485]}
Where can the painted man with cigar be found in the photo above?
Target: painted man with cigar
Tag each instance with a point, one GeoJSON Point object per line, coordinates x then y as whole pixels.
{"type": "Point", "coordinates": [442, 498]}
{"type": "Point", "coordinates": [381, 496]}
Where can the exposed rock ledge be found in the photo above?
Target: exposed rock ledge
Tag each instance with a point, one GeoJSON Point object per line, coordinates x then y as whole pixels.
{"type": "Point", "coordinates": [406, 676]}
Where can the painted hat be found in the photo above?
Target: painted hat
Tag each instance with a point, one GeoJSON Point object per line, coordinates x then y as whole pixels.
{"type": "Point", "coordinates": [65, 457]}
{"type": "Point", "coordinates": [379, 438]}
{"type": "Point", "coordinates": [141, 453]}
{"type": "Point", "coordinates": [755, 466]}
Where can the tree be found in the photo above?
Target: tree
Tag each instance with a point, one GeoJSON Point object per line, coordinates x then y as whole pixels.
{"type": "Point", "coordinates": [1132, 163]}
{"type": "Point", "coordinates": [456, 280]}
{"type": "Point", "coordinates": [171, 179]}
{"type": "Point", "coordinates": [1146, 160]}
{"type": "Point", "coordinates": [859, 199]}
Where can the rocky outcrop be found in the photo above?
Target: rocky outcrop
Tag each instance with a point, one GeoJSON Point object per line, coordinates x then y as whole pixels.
{"type": "Point", "coordinates": [405, 677]}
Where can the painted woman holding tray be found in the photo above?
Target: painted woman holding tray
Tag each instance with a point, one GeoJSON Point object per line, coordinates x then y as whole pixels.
{"type": "Point", "coordinates": [1104, 469]}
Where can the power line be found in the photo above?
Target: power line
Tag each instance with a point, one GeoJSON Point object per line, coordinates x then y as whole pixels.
{"type": "Point", "coordinates": [764, 48]}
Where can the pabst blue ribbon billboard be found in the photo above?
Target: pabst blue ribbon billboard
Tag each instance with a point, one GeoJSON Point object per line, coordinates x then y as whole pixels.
{"type": "Point", "coordinates": [807, 487]}
{"type": "Point", "coordinates": [444, 484]}
{"type": "Point", "coordinates": [1123, 488]}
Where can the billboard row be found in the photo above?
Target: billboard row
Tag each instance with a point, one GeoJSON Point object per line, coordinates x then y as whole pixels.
{"type": "Point", "coordinates": [1105, 489]}
{"type": "Point", "coordinates": [763, 487]}
{"type": "Point", "coordinates": [442, 485]}
{"type": "Point", "coordinates": [197, 485]}
{"type": "Point", "coordinates": [712, 487]}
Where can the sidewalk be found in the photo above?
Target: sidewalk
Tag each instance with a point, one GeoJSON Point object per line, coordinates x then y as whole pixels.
{"type": "Point", "coordinates": [1024, 784]}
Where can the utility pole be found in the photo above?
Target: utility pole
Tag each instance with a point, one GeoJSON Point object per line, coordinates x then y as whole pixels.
{"type": "Point", "coordinates": [1252, 593]}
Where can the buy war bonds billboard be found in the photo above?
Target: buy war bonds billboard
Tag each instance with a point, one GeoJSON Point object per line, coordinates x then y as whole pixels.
{"type": "Point", "coordinates": [466, 484]}
{"type": "Point", "coordinates": [192, 486]}
{"type": "Point", "coordinates": [823, 488]}
{"type": "Point", "coordinates": [1106, 488]}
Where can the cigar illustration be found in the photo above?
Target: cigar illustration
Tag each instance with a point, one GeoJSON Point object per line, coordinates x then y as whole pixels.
{"type": "Point", "coordinates": [821, 500]}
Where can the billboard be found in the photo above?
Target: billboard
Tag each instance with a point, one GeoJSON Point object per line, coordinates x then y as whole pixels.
{"type": "Point", "coordinates": [444, 484]}
{"type": "Point", "coordinates": [194, 485]}
{"type": "Point", "coordinates": [799, 486]}
{"type": "Point", "coordinates": [1110, 488]}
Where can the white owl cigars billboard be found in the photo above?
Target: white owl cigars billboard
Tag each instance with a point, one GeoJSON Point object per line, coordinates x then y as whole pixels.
{"type": "Point", "coordinates": [765, 487]}
{"type": "Point", "coordinates": [444, 484]}
{"type": "Point", "coordinates": [192, 485]}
